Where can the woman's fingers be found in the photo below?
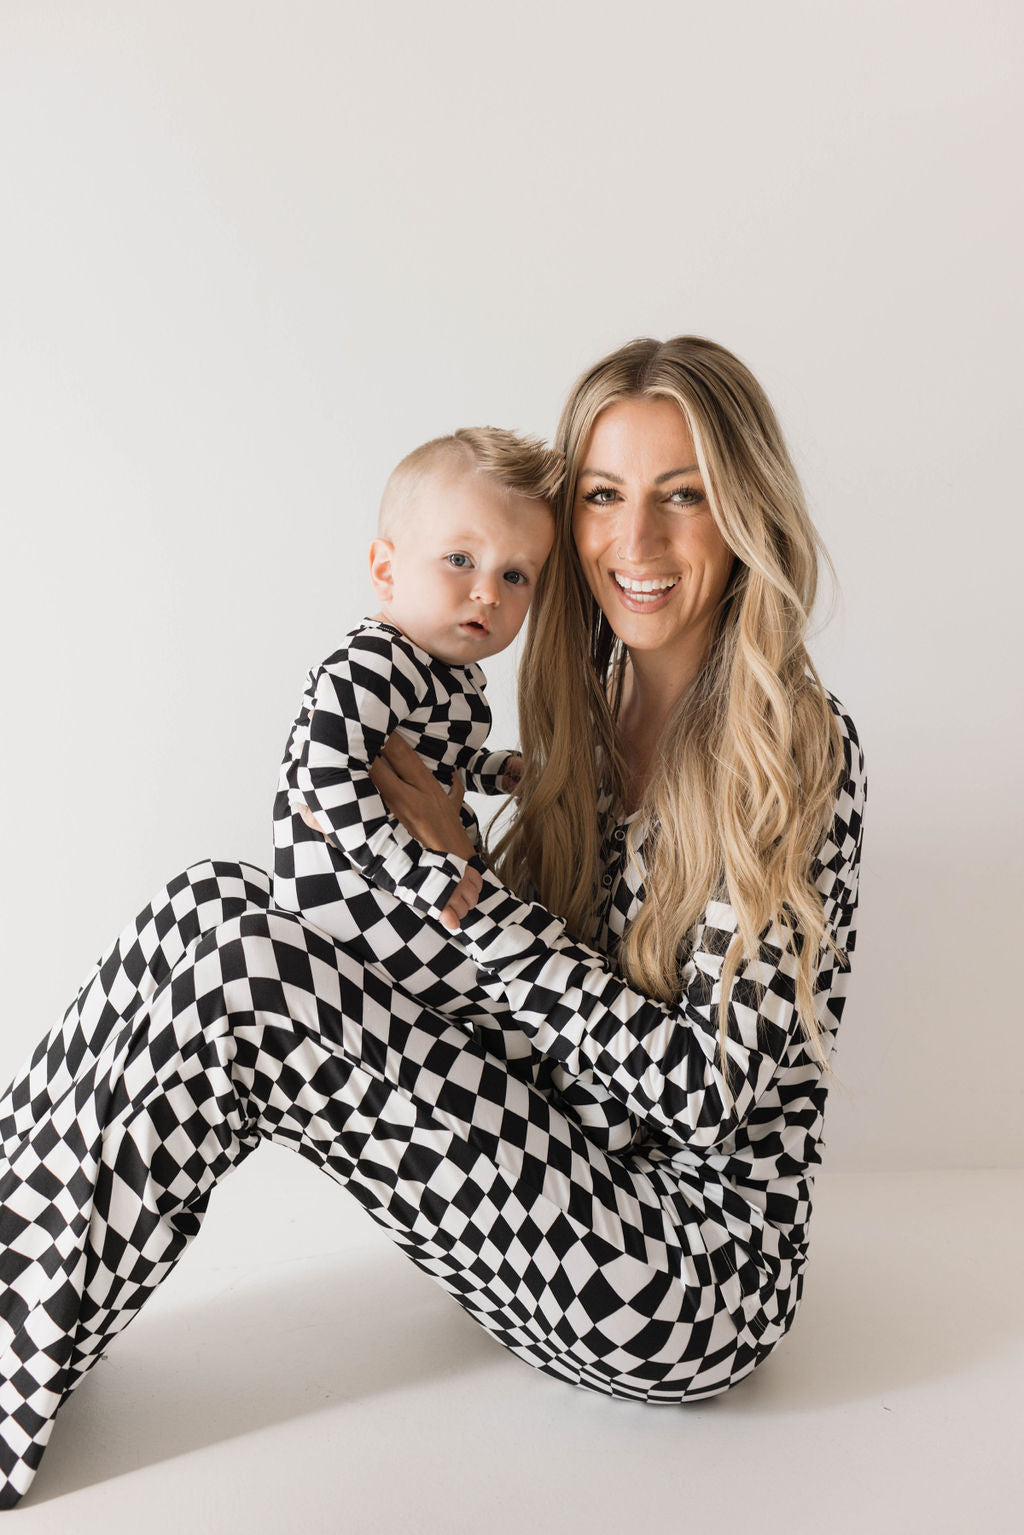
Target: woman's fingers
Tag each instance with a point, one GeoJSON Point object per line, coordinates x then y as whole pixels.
{"type": "Point", "coordinates": [413, 796]}
{"type": "Point", "coordinates": [399, 797]}
{"type": "Point", "coordinates": [406, 764]}
{"type": "Point", "coordinates": [409, 766]}
{"type": "Point", "coordinates": [406, 801]}
{"type": "Point", "coordinates": [310, 819]}
{"type": "Point", "coordinates": [384, 776]}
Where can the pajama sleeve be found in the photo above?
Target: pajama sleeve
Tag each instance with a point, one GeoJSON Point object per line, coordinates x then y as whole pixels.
{"type": "Point", "coordinates": [360, 696]}
{"type": "Point", "coordinates": [662, 1060]}
{"type": "Point", "coordinates": [485, 770]}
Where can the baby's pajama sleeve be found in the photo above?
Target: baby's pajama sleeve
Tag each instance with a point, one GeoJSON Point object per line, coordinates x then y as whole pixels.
{"type": "Point", "coordinates": [359, 699]}
{"type": "Point", "coordinates": [485, 770]}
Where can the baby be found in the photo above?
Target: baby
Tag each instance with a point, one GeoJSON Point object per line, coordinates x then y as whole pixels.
{"type": "Point", "coordinates": [465, 527]}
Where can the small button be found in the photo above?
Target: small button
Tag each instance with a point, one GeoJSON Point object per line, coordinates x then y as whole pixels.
{"type": "Point", "coordinates": [606, 881]}
{"type": "Point", "coordinates": [619, 834]}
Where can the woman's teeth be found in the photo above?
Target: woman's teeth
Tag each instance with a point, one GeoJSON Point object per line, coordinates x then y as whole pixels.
{"type": "Point", "coordinates": [645, 591]}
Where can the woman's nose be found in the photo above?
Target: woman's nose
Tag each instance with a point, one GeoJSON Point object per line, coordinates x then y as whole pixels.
{"type": "Point", "coordinates": [638, 533]}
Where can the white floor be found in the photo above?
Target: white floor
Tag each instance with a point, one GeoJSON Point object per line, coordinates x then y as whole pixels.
{"type": "Point", "coordinates": [297, 1373]}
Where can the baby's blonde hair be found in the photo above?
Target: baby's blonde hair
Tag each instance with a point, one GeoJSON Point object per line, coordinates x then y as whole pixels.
{"type": "Point", "coordinates": [524, 466]}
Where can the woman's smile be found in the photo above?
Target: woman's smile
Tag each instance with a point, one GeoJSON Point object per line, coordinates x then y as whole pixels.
{"type": "Point", "coordinates": [648, 544]}
{"type": "Point", "coordinates": [644, 594]}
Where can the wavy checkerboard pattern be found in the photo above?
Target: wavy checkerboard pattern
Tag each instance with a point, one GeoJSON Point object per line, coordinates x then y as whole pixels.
{"type": "Point", "coordinates": [663, 1274]}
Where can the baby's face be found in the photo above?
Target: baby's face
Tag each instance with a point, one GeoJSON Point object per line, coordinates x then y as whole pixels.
{"type": "Point", "coordinates": [458, 574]}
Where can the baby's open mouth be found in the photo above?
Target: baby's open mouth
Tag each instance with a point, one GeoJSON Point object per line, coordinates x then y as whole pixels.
{"type": "Point", "coordinates": [476, 626]}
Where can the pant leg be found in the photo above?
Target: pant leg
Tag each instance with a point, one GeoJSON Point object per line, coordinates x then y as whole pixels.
{"type": "Point", "coordinates": [402, 946]}
{"type": "Point", "coordinates": [265, 1029]}
{"type": "Point", "coordinates": [124, 979]}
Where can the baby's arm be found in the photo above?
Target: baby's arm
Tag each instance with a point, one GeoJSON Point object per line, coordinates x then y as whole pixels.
{"type": "Point", "coordinates": [360, 697]}
{"type": "Point", "coordinates": [462, 900]}
{"type": "Point", "coordinates": [493, 772]}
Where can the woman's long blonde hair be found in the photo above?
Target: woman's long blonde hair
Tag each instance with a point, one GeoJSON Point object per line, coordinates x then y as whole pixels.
{"type": "Point", "coordinates": [743, 789]}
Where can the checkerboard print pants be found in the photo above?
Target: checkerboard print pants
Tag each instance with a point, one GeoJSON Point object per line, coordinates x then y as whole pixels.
{"type": "Point", "coordinates": [217, 1021]}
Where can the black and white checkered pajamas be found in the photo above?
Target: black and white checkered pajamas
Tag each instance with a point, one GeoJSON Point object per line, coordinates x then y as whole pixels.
{"type": "Point", "coordinates": [369, 883]}
{"type": "Point", "coordinates": [664, 1273]}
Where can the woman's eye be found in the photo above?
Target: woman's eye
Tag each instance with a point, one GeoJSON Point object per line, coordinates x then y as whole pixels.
{"type": "Point", "coordinates": [601, 495]}
{"type": "Point", "coordinates": [687, 496]}
{"type": "Point", "coordinates": [460, 561]}
{"type": "Point", "coordinates": [515, 578]}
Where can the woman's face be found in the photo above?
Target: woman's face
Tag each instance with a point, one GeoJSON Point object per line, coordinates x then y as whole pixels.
{"type": "Point", "coordinates": [650, 550]}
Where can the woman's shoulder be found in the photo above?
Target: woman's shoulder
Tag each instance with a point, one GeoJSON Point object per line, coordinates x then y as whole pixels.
{"type": "Point", "coordinates": [842, 714]}
{"type": "Point", "coordinates": [851, 790]}
{"type": "Point", "coordinates": [852, 748]}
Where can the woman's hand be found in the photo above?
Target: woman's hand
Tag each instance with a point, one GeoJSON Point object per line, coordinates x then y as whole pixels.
{"type": "Point", "coordinates": [414, 796]}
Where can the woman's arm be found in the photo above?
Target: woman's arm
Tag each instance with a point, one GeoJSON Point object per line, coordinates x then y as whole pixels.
{"type": "Point", "coordinates": [661, 1059]}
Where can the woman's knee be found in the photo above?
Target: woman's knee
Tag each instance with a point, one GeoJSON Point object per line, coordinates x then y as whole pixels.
{"type": "Point", "coordinates": [265, 965]}
{"type": "Point", "coordinates": [215, 890]}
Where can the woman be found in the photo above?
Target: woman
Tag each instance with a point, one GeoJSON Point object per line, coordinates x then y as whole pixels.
{"type": "Point", "coordinates": [691, 810]}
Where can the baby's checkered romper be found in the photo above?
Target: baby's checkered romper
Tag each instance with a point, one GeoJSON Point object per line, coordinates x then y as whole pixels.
{"type": "Point", "coordinates": [369, 883]}
{"type": "Point", "coordinates": [664, 1273]}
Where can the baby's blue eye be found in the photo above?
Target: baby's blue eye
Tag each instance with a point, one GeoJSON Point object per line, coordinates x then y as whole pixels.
{"type": "Point", "coordinates": [460, 561]}
{"type": "Point", "coordinates": [515, 578]}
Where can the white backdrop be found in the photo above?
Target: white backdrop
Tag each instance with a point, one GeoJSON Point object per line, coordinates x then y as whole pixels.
{"type": "Point", "coordinates": [253, 254]}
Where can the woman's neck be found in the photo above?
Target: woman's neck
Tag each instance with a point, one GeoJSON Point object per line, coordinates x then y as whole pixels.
{"type": "Point", "coordinates": [651, 690]}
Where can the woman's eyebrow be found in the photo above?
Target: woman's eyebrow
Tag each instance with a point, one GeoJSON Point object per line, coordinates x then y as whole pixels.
{"type": "Point", "coordinates": [670, 474]}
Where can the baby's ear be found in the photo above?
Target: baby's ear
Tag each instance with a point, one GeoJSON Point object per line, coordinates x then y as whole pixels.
{"type": "Point", "coordinates": [381, 553]}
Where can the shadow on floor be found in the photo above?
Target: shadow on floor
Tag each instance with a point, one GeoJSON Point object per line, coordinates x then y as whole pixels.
{"type": "Point", "coordinates": [254, 1356]}
{"type": "Point", "coordinates": [906, 1284]}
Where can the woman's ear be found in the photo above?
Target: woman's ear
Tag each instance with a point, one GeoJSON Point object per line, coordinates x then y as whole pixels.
{"type": "Point", "coordinates": [381, 554]}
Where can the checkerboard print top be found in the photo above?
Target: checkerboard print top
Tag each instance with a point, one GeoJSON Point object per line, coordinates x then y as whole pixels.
{"type": "Point", "coordinates": [375, 683]}
{"type": "Point", "coordinates": [664, 1273]}
{"type": "Point", "coordinates": [747, 1154]}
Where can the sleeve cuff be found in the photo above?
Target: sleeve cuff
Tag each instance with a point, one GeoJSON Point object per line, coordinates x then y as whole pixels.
{"type": "Point", "coordinates": [484, 774]}
{"type": "Point", "coordinates": [424, 878]}
{"type": "Point", "coordinates": [501, 926]}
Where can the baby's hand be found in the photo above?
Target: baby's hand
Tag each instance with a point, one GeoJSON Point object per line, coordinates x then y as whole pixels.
{"type": "Point", "coordinates": [464, 897]}
{"type": "Point", "coordinates": [512, 776]}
